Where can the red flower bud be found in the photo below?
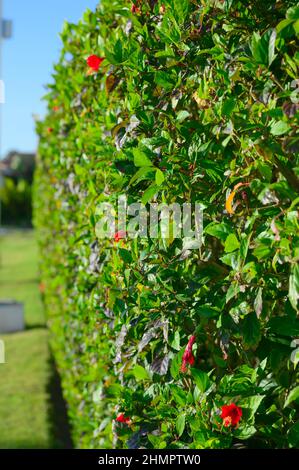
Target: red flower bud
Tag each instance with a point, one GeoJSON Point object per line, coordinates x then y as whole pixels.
{"type": "Point", "coordinates": [244, 195]}
{"type": "Point", "coordinates": [188, 357]}
{"type": "Point", "coordinates": [135, 9]}
{"type": "Point", "coordinates": [231, 415]}
{"type": "Point", "coordinates": [119, 235]}
{"type": "Point", "coordinates": [123, 419]}
{"type": "Point", "coordinates": [94, 62]}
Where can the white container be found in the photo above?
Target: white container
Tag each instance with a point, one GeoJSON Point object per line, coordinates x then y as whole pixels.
{"type": "Point", "coordinates": [11, 316]}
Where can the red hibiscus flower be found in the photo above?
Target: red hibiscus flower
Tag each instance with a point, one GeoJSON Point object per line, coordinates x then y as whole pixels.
{"type": "Point", "coordinates": [119, 235]}
{"type": "Point", "coordinates": [231, 415]}
{"type": "Point", "coordinates": [94, 62]}
{"type": "Point", "coordinates": [188, 357]}
{"type": "Point", "coordinates": [123, 419]}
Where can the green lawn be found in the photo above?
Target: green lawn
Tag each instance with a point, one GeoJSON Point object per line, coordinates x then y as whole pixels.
{"type": "Point", "coordinates": [31, 408]}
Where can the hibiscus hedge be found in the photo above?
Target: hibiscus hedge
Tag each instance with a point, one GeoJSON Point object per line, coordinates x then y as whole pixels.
{"type": "Point", "coordinates": [178, 101]}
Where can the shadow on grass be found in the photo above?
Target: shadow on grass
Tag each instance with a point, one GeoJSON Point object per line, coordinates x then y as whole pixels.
{"type": "Point", "coordinates": [34, 281]}
{"type": "Point", "coordinates": [58, 428]}
{"type": "Point", "coordinates": [57, 413]}
{"type": "Point", "coordinates": [35, 326]}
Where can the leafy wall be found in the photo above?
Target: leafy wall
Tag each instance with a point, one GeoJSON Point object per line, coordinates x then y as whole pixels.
{"type": "Point", "coordinates": [195, 101]}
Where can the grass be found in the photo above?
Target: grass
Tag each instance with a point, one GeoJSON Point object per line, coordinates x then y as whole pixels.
{"type": "Point", "coordinates": [32, 413]}
{"type": "Point", "coordinates": [19, 274]}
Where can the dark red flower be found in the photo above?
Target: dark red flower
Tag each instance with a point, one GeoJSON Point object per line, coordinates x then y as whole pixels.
{"type": "Point", "coordinates": [123, 419]}
{"type": "Point", "coordinates": [135, 9]}
{"type": "Point", "coordinates": [94, 62]}
{"type": "Point", "coordinates": [119, 235]}
{"type": "Point", "coordinates": [188, 357]}
{"type": "Point", "coordinates": [231, 415]}
{"type": "Point", "coordinates": [50, 130]}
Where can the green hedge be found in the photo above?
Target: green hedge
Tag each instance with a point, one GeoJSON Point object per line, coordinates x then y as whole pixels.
{"type": "Point", "coordinates": [196, 101]}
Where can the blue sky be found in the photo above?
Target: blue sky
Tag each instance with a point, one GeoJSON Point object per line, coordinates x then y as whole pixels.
{"type": "Point", "coordinates": [27, 63]}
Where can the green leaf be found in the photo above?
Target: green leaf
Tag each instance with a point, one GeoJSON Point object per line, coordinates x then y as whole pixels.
{"type": "Point", "coordinates": [176, 364]}
{"type": "Point", "coordinates": [164, 80]}
{"type": "Point", "coordinates": [231, 259]}
{"type": "Point", "coordinates": [246, 432]}
{"type": "Point", "coordinates": [295, 356]}
{"type": "Point", "coordinates": [169, 29]}
{"type": "Point", "coordinates": [115, 57]}
{"type": "Point", "coordinates": [284, 325]}
{"type": "Point", "coordinates": [140, 373]}
{"type": "Point", "coordinates": [144, 173]}
{"type": "Point", "coordinates": [175, 344]}
{"type": "Point", "coordinates": [293, 13]}
{"type": "Point", "coordinates": [182, 115]}
{"type": "Point", "coordinates": [180, 424]}
{"type": "Point", "coordinates": [160, 178]}
{"type": "Point", "coordinates": [125, 255]}
{"type": "Point", "coordinates": [180, 9]}
{"type": "Point", "coordinates": [140, 159]}
{"type": "Point", "coordinates": [251, 330]}
{"type": "Point", "coordinates": [149, 194]}
{"type": "Point", "coordinates": [232, 291]}
{"type": "Point", "coordinates": [228, 107]}
{"type": "Point", "coordinates": [178, 395]}
{"type": "Point", "coordinates": [263, 249]}
{"type": "Point", "coordinates": [156, 441]}
{"type": "Point", "coordinates": [201, 379]}
{"type": "Point", "coordinates": [271, 47]}
{"type": "Point", "coordinates": [206, 311]}
{"type": "Point", "coordinates": [293, 435]}
{"type": "Point", "coordinates": [220, 231]}
{"type": "Point", "coordinates": [258, 302]}
{"type": "Point", "coordinates": [118, 50]}
{"type": "Point", "coordinates": [296, 29]}
{"type": "Point", "coordinates": [283, 25]}
{"type": "Point", "coordinates": [231, 243]}
{"type": "Point", "coordinates": [292, 396]}
{"type": "Point", "coordinates": [294, 286]}
{"type": "Point", "coordinates": [254, 403]}
{"type": "Point", "coordinates": [167, 52]}
{"type": "Point", "coordinates": [263, 47]}
{"type": "Point", "coordinates": [279, 128]}
{"type": "Point", "coordinates": [244, 246]}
